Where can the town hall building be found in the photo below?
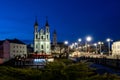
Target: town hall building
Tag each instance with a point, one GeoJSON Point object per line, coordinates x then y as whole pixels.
{"type": "Point", "coordinates": [42, 43]}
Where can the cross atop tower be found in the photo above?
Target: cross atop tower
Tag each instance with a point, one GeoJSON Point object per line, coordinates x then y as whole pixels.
{"type": "Point", "coordinates": [36, 22]}
{"type": "Point", "coordinates": [46, 21]}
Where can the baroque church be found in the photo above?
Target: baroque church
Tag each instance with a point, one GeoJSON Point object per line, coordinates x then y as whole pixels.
{"type": "Point", "coordinates": [42, 42]}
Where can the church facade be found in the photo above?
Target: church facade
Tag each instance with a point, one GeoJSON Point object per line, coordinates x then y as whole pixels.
{"type": "Point", "coordinates": [42, 42]}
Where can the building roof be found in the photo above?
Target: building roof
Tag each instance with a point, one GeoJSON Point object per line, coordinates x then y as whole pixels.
{"type": "Point", "coordinates": [15, 41]}
{"type": "Point", "coordinates": [54, 32]}
{"type": "Point", "coordinates": [46, 21]}
{"type": "Point", "coordinates": [36, 22]}
{"type": "Point", "coordinates": [1, 42]}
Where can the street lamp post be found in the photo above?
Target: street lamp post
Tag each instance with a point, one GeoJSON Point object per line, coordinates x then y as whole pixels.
{"type": "Point", "coordinates": [95, 44]}
{"type": "Point", "coordinates": [76, 45]}
{"type": "Point", "coordinates": [67, 52]}
{"type": "Point", "coordinates": [108, 40]}
{"type": "Point", "coordinates": [88, 39]}
{"type": "Point", "coordinates": [79, 40]}
{"type": "Point", "coordinates": [100, 43]}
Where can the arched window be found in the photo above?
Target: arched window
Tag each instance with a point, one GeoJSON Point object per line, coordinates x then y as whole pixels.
{"type": "Point", "coordinates": [47, 46]}
{"type": "Point", "coordinates": [36, 46]}
{"type": "Point", "coordinates": [36, 35]}
{"type": "Point", "coordinates": [41, 37]}
{"type": "Point", "coordinates": [41, 46]}
{"type": "Point", "coordinates": [47, 30]}
{"type": "Point", "coordinates": [47, 36]}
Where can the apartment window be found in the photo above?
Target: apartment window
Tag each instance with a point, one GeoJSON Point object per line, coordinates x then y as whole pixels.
{"type": "Point", "coordinates": [13, 51]}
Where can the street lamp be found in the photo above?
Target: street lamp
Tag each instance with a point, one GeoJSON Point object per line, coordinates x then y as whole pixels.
{"type": "Point", "coordinates": [109, 40]}
{"type": "Point", "coordinates": [95, 44]}
{"type": "Point", "coordinates": [79, 40]}
{"type": "Point", "coordinates": [100, 43]}
{"type": "Point", "coordinates": [66, 43]}
{"type": "Point", "coordinates": [88, 39]}
{"type": "Point", "coordinates": [76, 45]}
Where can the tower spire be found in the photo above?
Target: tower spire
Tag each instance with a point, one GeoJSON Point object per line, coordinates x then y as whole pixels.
{"type": "Point", "coordinates": [36, 22]}
{"type": "Point", "coordinates": [46, 21]}
{"type": "Point", "coordinates": [54, 38]}
{"type": "Point", "coordinates": [54, 31]}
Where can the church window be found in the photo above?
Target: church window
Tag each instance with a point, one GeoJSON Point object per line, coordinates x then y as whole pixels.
{"type": "Point", "coordinates": [42, 46]}
{"type": "Point", "coordinates": [47, 46]}
{"type": "Point", "coordinates": [36, 46]}
{"type": "Point", "coordinates": [47, 36]}
{"type": "Point", "coordinates": [36, 35]}
{"type": "Point", "coordinates": [47, 30]}
{"type": "Point", "coordinates": [41, 37]}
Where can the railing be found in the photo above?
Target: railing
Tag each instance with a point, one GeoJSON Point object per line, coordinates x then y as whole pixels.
{"type": "Point", "coordinates": [33, 63]}
{"type": "Point", "coordinates": [115, 63]}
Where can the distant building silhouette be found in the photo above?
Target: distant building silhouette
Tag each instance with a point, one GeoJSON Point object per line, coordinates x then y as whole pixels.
{"type": "Point", "coordinates": [54, 38]}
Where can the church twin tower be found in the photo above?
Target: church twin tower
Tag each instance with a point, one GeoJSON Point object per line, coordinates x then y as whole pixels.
{"type": "Point", "coordinates": [42, 42]}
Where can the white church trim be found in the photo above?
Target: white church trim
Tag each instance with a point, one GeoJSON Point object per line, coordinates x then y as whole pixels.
{"type": "Point", "coordinates": [42, 39]}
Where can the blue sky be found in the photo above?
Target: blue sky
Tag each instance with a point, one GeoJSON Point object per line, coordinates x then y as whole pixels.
{"type": "Point", "coordinates": [72, 19]}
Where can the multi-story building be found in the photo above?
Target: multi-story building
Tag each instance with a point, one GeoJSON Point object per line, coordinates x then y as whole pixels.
{"type": "Point", "coordinates": [42, 39]}
{"type": "Point", "coordinates": [11, 48]}
{"type": "Point", "coordinates": [116, 48]}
